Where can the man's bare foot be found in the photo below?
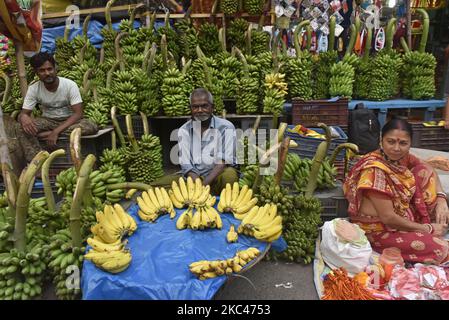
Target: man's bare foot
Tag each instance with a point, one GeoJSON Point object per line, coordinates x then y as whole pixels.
{"type": "Point", "coordinates": [43, 134]}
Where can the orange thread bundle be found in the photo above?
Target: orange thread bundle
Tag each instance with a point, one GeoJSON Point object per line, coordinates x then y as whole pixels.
{"type": "Point", "coordinates": [339, 286]}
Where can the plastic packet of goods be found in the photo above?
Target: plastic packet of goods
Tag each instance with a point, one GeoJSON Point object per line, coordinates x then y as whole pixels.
{"type": "Point", "coordinates": [325, 30]}
{"type": "Point", "coordinates": [279, 11]}
{"type": "Point", "coordinates": [289, 11]}
{"type": "Point", "coordinates": [326, 5]}
{"type": "Point", "coordinates": [306, 4]}
{"type": "Point", "coordinates": [338, 30]}
{"type": "Point", "coordinates": [325, 17]}
{"type": "Point", "coordinates": [316, 13]}
{"type": "Point", "coordinates": [405, 284]}
{"type": "Point", "coordinates": [432, 277]}
{"type": "Point", "coordinates": [338, 17]}
{"type": "Point", "coordinates": [314, 24]}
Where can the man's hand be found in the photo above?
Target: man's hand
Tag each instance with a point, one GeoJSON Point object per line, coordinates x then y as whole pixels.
{"type": "Point", "coordinates": [442, 212]}
{"type": "Point", "coordinates": [28, 124]}
{"type": "Point", "coordinates": [52, 138]}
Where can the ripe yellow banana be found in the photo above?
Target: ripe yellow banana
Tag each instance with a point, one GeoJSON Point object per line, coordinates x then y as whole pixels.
{"type": "Point", "coordinates": [195, 222]}
{"type": "Point", "coordinates": [183, 220]}
{"type": "Point", "coordinates": [183, 188]}
{"type": "Point", "coordinates": [147, 217]}
{"type": "Point", "coordinates": [190, 188]}
{"type": "Point", "coordinates": [269, 224]}
{"type": "Point", "coordinates": [232, 236]}
{"type": "Point", "coordinates": [228, 196]}
{"type": "Point", "coordinates": [167, 200]}
{"type": "Point", "coordinates": [242, 194]}
{"type": "Point", "coordinates": [160, 199]}
{"type": "Point", "coordinates": [149, 203]}
{"type": "Point", "coordinates": [118, 209]}
{"type": "Point", "coordinates": [268, 233]}
{"type": "Point", "coordinates": [154, 199]}
{"type": "Point", "coordinates": [144, 207]}
{"type": "Point", "coordinates": [101, 246]}
{"type": "Point", "coordinates": [211, 201]}
{"type": "Point", "coordinates": [251, 214]}
{"type": "Point", "coordinates": [177, 193]}
{"type": "Point", "coordinates": [246, 207]}
{"type": "Point", "coordinates": [175, 200]}
{"type": "Point", "coordinates": [198, 189]}
{"type": "Point", "coordinates": [235, 193]}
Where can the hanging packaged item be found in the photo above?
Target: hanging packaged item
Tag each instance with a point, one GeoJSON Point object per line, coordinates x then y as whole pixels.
{"type": "Point", "coordinates": [345, 245]}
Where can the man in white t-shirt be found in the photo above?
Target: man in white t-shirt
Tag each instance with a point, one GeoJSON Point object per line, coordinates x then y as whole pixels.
{"type": "Point", "coordinates": [60, 102]}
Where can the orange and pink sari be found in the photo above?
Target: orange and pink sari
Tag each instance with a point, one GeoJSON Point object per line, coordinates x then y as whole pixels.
{"type": "Point", "coordinates": [411, 186]}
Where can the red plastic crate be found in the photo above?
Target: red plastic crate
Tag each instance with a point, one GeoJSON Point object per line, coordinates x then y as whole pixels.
{"type": "Point", "coordinates": [311, 112]}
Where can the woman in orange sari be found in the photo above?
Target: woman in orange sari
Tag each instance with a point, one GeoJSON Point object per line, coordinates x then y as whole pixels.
{"type": "Point", "coordinates": [397, 199]}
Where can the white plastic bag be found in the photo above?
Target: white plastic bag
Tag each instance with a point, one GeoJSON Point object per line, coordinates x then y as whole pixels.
{"type": "Point", "coordinates": [352, 255]}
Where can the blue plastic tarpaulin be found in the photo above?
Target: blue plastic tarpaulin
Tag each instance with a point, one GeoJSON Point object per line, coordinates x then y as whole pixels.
{"type": "Point", "coordinates": [161, 255]}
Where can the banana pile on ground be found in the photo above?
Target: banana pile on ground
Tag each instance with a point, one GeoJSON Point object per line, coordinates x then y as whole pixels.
{"type": "Point", "coordinates": [270, 192]}
{"type": "Point", "coordinates": [235, 36]}
{"type": "Point", "coordinates": [144, 163]}
{"type": "Point", "coordinates": [154, 203]}
{"type": "Point", "coordinates": [262, 223]}
{"type": "Point", "coordinates": [275, 92]}
{"type": "Point", "coordinates": [187, 193]}
{"type": "Point", "coordinates": [41, 222]}
{"type": "Point", "coordinates": [229, 7]}
{"type": "Point", "coordinates": [322, 73]}
{"type": "Point", "coordinates": [236, 201]}
{"type": "Point", "coordinates": [199, 217]}
{"type": "Point", "coordinates": [21, 273]}
{"type": "Point", "coordinates": [342, 77]}
{"type": "Point", "coordinates": [298, 170]}
{"type": "Point", "coordinates": [298, 71]}
{"type": "Point", "coordinates": [108, 251]}
{"type": "Point", "coordinates": [254, 7]}
{"type": "Point", "coordinates": [210, 269]}
{"type": "Point", "coordinates": [249, 175]}
{"type": "Point", "coordinates": [302, 230]}
{"type": "Point", "coordinates": [208, 39]}
{"type": "Point", "coordinates": [175, 92]}
{"type": "Point", "coordinates": [63, 256]}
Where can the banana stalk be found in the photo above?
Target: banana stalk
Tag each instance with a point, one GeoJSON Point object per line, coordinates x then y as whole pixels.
{"type": "Point", "coordinates": [256, 124]}
{"type": "Point", "coordinates": [315, 168]}
{"type": "Point", "coordinates": [281, 130]}
{"type": "Point", "coordinates": [425, 30]}
{"type": "Point", "coordinates": [328, 134]}
{"type": "Point", "coordinates": [46, 179]}
{"type": "Point", "coordinates": [12, 189]}
{"type": "Point", "coordinates": [133, 14]}
{"type": "Point", "coordinates": [8, 88]}
{"type": "Point", "coordinates": [23, 199]}
{"type": "Point", "coordinates": [150, 63]}
{"type": "Point", "coordinates": [86, 84]}
{"type": "Point", "coordinates": [111, 74]}
{"type": "Point", "coordinates": [146, 125]}
{"type": "Point", "coordinates": [75, 210]}
{"type": "Point", "coordinates": [309, 37]}
{"type": "Point", "coordinates": [331, 36]}
{"type": "Point", "coordinates": [118, 50]}
{"type": "Point", "coordinates": [222, 39]}
{"type": "Point", "coordinates": [351, 40]}
{"type": "Point", "coordinates": [117, 128]}
{"type": "Point", "coordinates": [81, 54]}
{"type": "Point", "coordinates": [390, 33]}
{"type": "Point", "coordinates": [101, 56]}
{"type": "Point", "coordinates": [404, 45]}
{"type": "Point", "coordinates": [108, 14]}
{"type": "Point", "coordinates": [353, 147]}
{"type": "Point", "coordinates": [86, 25]}
{"type": "Point", "coordinates": [248, 39]}
{"type": "Point", "coordinates": [369, 38]}
{"type": "Point", "coordinates": [129, 185]}
{"type": "Point", "coordinates": [75, 148]}
{"type": "Point", "coordinates": [164, 51]}
{"type": "Point", "coordinates": [131, 136]}
{"type": "Point", "coordinates": [113, 140]}
{"type": "Point", "coordinates": [282, 160]}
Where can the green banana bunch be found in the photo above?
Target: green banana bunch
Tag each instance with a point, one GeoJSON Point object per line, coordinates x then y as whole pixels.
{"type": "Point", "coordinates": [6, 230]}
{"type": "Point", "coordinates": [208, 39]}
{"type": "Point", "coordinates": [270, 192]}
{"type": "Point", "coordinates": [363, 79]}
{"type": "Point", "coordinates": [254, 7]}
{"type": "Point", "coordinates": [260, 42]}
{"type": "Point", "coordinates": [342, 77]}
{"type": "Point", "coordinates": [175, 91]}
{"type": "Point", "coordinates": [326, 175]}
{"type": "Point", "coordinates": [275, 92]}
{"type": "Point", "coordinates": [66, 182]}
{"type": "Point", "coordinates": [64, 52]}
{"type": "Point", "coordinates": [98, 113]}
{"type": "Point", "coordinates": [230, 72]}
{"type": "Point", "coordinates": [418, 75]}
{"type": "Point", "coordinates": [298, 71]}
{"type": "Point", "coordinates": [113, 157]}
{"type": "Point", "coordinates": [248, 96]}
{"type": "Point", "coordinates": [291, 166]}
{"type": "Point", "coordinates": [108, 42]}
{"type": "Point", "coordinates": [172, 40]}
{"type": "Point", "coordinates": [301, 231]}
{"type": "Point", "coordinates": [249, 173]}
{"type": "Point", "coordinates": [21, 273]}
{"type": "Point", "coordinates": [63, 255]}
{"type": "Point", "coordinates": [41, 222]}
{"type": "Point", "coordinates": [229, 7]}
{"type": "Point", "coordinates": [322, 73]}
{"type": "Point", "coordinates": [188, 38]}
{"type": "Point", "coordinates": [125, 92]}
{"type": "Point", "coordinates": [235, 36]}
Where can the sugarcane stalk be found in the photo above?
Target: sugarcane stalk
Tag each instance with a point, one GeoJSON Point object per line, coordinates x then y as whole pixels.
{"type": "Point", "coordinates": [108, 14]}
{"type": "Point", "coordinates": [116, 126]}
{"type": "Point", "coordinates": [23, 200]}
{"type": "Point", "coordinates": [404, 45]}
{"type": "Point", "coordinates": [75, 209]}
{"type": "Point", "coordinates": [315, 168]}
{"type": "Point", "coordinates": [390, 33]}
{"type": "Point", "coordinates": [164, 51]}
{"type": "Point", "coordinates": [146, 125]}
{"type": "Point", "coordinates": [328, 134]}
{"type": "Point", "coordinates": [353, 147]}
{"type": "Point", "coordinates": [351, 40]}
{"type": "Point", "coordinates": [46, 179]}
{"type": "Point", "coordinates": [86, 25]}
{"type": "Point", "coordinates": [129, 185]}
{"type": "Point", "coordinates": [331, 37]}
{"type": "Point", "coordinates": [369, 38]}
{"type": "Point", "coordinates": [118, 50]}
{"type": "Point", "coordinates": [425, 30]}
{"type": "Point", "coordinates": [8, 88]}
{"type": "Point", "coordinates": [282, 160]}
{"type": "Point", "coordinates": [75, 148]}
{"type": "Point", "coordinates": [131, 136]}
{"type": "Point", "coordinates": [248, 39]}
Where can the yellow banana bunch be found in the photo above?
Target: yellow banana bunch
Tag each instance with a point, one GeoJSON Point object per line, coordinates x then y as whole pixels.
{"type": "Point", "coordinates": [199, 218]}
{"type": "Point", "coordinates": [189, 192]}
{"type": "Point", "coordinates": [205, 269]}
{"type": "Point", "coordinates": [153, 203]}
{"type": "Point", "coordinates": [236, 200]}
{"type": "Point", "coordinates": [112, 224]}
{"type": "Point", "coordinates": [232, 236]}
{"type": "Point", "coordinates": [110, 261]}
{"type": "Point", "coordinates": [263, 223]}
